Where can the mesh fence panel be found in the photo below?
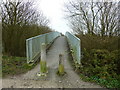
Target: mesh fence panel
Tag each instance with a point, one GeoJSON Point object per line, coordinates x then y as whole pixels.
{"type": "Point", "coordinates": [74, 43]}
{"type": "Point", "coordinates": [33, 44]}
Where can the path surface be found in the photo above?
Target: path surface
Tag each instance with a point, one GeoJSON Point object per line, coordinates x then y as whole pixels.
{"type": "Point", "coordinates": [31, 80]}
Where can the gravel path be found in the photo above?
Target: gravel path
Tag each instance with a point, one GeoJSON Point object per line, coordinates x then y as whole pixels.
{"type": "Point", "coordinates": [31, 80]}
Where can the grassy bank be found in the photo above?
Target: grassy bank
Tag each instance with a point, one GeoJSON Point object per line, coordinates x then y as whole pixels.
{"type": "Point", "coordinates": [14, 66]}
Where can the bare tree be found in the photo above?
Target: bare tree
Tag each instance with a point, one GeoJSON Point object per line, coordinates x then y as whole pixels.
{"type": "Point", "coordinates": [21, 13]}
{"type": "Point", "coordinates": [42, 20]}
{"type": "Point", "coordinates": [93, 17]}
{"type": "Point", "coordinates": [108, 18]}
{"type": "Point", "coordinates": [85, 14]}
{"type": "Point", "coordinates": [118, 18]}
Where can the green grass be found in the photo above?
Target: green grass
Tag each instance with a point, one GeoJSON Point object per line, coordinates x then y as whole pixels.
{"type": "Point", "coordinates": [109, 82]}
{"type": "Point", "coordinates": [14, 65]}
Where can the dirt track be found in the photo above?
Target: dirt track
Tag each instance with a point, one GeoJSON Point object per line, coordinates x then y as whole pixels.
{"type": "Point", "coordinates": [31, 80]}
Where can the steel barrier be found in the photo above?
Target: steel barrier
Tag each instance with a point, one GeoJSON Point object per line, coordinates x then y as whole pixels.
{"type": "Point", "coordinates": [75, 46]}
{"type": "Point", "coordinates": [33, 45]}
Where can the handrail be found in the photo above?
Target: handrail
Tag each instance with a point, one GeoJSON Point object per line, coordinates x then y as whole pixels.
{"type": "Point", "coordinates": [75, 46]}
{"type": "Point", "coordinates": [33, 45]}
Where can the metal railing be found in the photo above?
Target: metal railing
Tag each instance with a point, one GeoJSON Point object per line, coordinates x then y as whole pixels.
{"type": "Point", "coordinates": [33, 45]}
{"type": "Point", "coordinates": [75, 46]}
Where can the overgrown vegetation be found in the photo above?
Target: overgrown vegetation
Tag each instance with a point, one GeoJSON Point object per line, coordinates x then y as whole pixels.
{"type": "Point", "coordinates": [90, 42]}
{"type": "Point", "coordinates": [100, 60]}
{"type": "Point", "coordinates": [14, 38]}
{"type": "Point", "coordinates": [102, 66]}
{"type": "Point", "coordinates": [14, 66]}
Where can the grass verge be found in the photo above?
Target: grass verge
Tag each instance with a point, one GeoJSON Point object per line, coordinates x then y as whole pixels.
{"type": "Point", "coordinates": [14, 65]}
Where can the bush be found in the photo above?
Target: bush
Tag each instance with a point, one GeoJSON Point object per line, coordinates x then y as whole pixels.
{"type": "Point", "coordinates": [90, 42]}
{"type": "Point", "coordinates": [101, 59]}
{"type": "Point", "coordinates": [14, 38]}
{"type": "Point", "coordinates": [102, 64]}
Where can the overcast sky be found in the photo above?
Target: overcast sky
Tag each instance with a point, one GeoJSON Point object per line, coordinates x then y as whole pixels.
{"type": "Point", "coordinates": [54, 11]}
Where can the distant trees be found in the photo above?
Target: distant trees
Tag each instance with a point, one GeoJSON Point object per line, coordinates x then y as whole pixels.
{"type": "Point", "coordinates": [108, 18]}
{"type": "Point", "coordinates": [21, 13]}
{"type": "Point", "coordinates": [20, 20]}
{"type": "Point", "coordinates": [99, 18]}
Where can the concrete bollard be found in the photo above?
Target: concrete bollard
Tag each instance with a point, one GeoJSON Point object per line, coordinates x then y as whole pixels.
{"type": "Point", "coordinates": [43, 52]}
{"type": "Point", "coordinates": [61, 59]}
{"type": "Point", "coordinates": [43, 66]}
{"type": "Point", "coordinates": [61, 65]}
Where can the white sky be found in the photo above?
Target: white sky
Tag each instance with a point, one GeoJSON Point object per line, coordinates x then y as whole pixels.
{"type": "Point", "coordinates": [54, 11]}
